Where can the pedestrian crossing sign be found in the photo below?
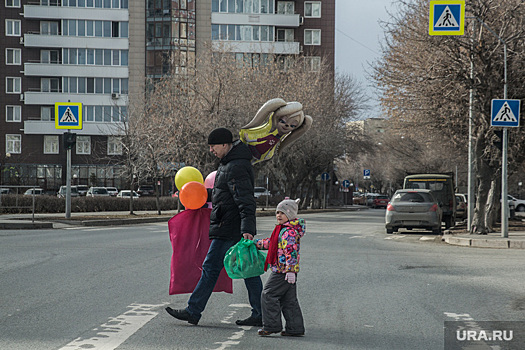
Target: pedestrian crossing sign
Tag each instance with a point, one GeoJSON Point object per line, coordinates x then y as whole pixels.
{"type": "Point", "coordinates": [447, 17]}
{"type": "Point", "coordinates": [505, 113]}
{"type": "Point", "coordinates": [68, 115]}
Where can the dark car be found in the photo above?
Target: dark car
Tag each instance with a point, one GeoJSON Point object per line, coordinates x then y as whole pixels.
{"type": "Point", "coordinates": [146, 190]}
{"type": "Point", "coordinates": [380, 201]}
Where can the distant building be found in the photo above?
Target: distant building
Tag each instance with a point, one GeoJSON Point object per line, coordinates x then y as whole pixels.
{"type": "Point", "coordinates": [99, 52]}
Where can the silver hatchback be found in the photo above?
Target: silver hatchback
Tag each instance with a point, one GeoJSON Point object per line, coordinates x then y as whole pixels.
{"type": "Point", "coordinates": [413, 208]}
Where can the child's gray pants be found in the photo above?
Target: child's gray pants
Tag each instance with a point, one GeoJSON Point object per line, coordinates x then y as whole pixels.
{"type": "Point", "coordinates": [279, 295]}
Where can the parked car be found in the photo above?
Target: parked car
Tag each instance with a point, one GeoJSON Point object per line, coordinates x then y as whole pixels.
{"type": "Point", "coordinates": [442, 187]}
{"type": "Point", "coordinates": [97, 192]}
{"type": "Point", "coordinates": [411, 208]}
{"type": "Point", "coordinates": [126, 194]}
{"type": "Point", "coordinates": [359, 198]}
{"type": "Point", "coordinates": [62, 191]}
{"type": "Point", "coordinates": [112, 191]}
{"type": "Point", "coordinates": [146, 190]}
{"type": "Point", "coordinates": [5, 191]}
{"type": "Point", "coordinates": [519, 204]}
{"type": "Point", "coordinates": [35, 191]}
{"type": "Point", "coordinates": [261, 191]}
{"type": "Point", "coordinates": [82, 190]}
{"type": "Point", "coordinates": [461, 206]}
{"type": "Point", "coordinates": [370, 197]}
{"type": "Point", "coordinates": [380, 201]}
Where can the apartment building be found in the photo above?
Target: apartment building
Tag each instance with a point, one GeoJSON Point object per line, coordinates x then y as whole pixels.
{"type": "Point", "coordinates": [63, 51]}
{"type": "Point", "coordinates": [99, 52]}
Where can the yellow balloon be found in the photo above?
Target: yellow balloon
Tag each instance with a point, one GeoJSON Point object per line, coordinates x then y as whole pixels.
{"type": "Point", "coordinates": [187, 174]}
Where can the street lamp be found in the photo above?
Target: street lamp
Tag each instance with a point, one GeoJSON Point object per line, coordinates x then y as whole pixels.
{"type": "Point", "coordinates": [519, 189]}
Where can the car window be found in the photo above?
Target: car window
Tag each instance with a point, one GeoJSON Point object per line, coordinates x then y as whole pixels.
{"type": "Point", "coordinates": [412, 197]}
{"type": "Point", "coordinates": [100, 191]}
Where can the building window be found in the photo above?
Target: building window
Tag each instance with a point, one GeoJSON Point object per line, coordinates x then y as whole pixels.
{"type": "Point", "coordinates": [47, 114]}
{"type": "Point", "coordinates": [114, 145]}
{"type": "Point", "coordinates": [13, 114]}
{"type": "Point", "coordinates": [83, 144]}
{"type": "Point", "coordinates": [49, 85]}
{"type": "Point", "coordinates": [13, 85]}
{"type": "Point", "coordinates": [313, 63]}
{"type": "Point", "coordinates": [50, 144]}
{"type": "Point", "coordinates": [312, 36]}
{"type": "Point", "coordinates": [312, 9]}
{"type": "Point", "coordinates": [49, 56]}
{"type": "Point", "coordinates": [13, 56]}
{"type": "Point", "coordinates": [12, 3]}
{"type": "Point", "coordinates": [13, 143]}
{"type": "Point", "coordinates": [285, 35]}
{"type": "Point", "coordinates": [286, 7]}
{"type": "Point", "coordinates": [48, 28]}
{"type": "Point", "coordinates": [12, 27]}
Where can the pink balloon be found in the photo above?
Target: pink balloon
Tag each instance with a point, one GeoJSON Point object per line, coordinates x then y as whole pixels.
{"type": "Point", "coordinates": [210, 179]}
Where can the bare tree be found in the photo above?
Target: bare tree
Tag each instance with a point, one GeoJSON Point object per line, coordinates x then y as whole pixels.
{"type": "Point", "coordinates": [220, 91]}
{"type": "Point", "coordinates": [425, 84]}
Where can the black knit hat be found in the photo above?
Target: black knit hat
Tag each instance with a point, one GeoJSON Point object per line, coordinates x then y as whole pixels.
{"type": "Point", "coordinates": [220, 136]}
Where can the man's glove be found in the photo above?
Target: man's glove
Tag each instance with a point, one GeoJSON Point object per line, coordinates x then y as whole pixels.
{"type": "Point", "coordinates": [290, 277]}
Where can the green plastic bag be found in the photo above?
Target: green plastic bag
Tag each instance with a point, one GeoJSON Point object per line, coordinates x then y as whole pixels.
{"type": "Point", "coordinates": [244, 260]}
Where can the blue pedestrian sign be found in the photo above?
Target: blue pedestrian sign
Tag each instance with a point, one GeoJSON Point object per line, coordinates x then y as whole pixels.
{"type": "Point", "coordinates": [447, 17]}
{"type": "Point", "coordinates": [366, 174]}
{"type": "Point", "coordinates": [68, 115]}
{"type": "Point", "coordinates": [505, 113]}
{"type": "Point", "coordinates": [346, 183]}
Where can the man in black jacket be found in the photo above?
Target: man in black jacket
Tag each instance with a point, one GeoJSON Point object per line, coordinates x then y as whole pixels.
{"type": "Point", "coordinates": [232, 218]}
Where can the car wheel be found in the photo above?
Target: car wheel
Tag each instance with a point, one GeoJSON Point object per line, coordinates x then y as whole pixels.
{"type": "Point", "coordinates": [520, 208]}
{"type": "Point", "coordinates": [396, 229]}
{"type": "Point", "coordinates": [389, 231]}
{"type": "Point", "coordinates": [436, 231]}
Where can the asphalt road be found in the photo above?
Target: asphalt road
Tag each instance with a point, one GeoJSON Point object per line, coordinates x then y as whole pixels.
{"type": "Point", "coordinates": [106, 288]}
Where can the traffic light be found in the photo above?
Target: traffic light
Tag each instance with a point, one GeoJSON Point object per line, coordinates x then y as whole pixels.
{"type": "Point", "coordinates": [70, 140]}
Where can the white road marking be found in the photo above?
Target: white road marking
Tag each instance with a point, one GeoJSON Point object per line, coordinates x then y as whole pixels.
{"type": "Point", "coordinates": [117, 329]}
{"type": "Point", "coordinates": [426, 238]}
{"type": "Point", "coordinates": [235, 338]}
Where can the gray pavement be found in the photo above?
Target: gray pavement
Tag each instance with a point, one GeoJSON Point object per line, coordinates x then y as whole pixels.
{"type": "Point", "coordinates": [494, 240]}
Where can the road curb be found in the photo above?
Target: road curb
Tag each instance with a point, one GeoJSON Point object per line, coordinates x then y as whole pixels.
{"type": "Point", "coordinates": [493, 243]}
{"type": "Point", "coordinates": [25, 225]}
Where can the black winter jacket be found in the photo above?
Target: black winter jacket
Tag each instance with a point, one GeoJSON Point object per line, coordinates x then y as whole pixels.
{"type": "Point", "coordinates": [233, 202]}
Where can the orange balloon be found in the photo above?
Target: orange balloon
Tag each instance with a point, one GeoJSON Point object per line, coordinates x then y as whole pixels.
{"type": "Point", "coordinates": [193, 195]}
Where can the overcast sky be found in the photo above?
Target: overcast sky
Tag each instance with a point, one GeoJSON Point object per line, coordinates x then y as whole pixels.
{"type": "Point", "coordinates": [357, 38]}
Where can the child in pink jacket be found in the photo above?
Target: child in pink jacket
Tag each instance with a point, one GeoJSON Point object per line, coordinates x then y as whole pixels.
{"type": "Point", "coordinates": [280, 291]}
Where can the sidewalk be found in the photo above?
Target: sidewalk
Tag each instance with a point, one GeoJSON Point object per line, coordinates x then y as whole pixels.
{"type": "Point", "coordinates": [58, 220]}
{"type": "Point", "coordinates": [515, 240]}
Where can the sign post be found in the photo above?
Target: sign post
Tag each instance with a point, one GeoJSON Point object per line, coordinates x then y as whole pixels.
{"type": "Point", "coordinates": [68, 116]}
{"type": "Point", "coordinates": [505, 113]}
{"type": "Point", "coordinates": [325, 177]}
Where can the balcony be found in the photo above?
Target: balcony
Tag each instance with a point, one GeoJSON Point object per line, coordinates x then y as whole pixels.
{"type": "Point", "coordinates": [48, 98]}
{"type": "Point", "coordinates": [69, 70]}
{"type": "Point", "coordinates": [38, 127]}
{"type": "Point", "coordinates": [59, 41]}
{"type": "Point", "coordinates": [275, 47]}
{"type": "Point", "coordinates": [276, 20]}
{"type": "Point", "coordinates": [59, 12]}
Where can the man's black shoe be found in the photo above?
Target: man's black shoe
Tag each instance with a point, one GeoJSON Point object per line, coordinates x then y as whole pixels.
{"type": "Point", "coordinates": [182, 314]}
{"type": "Point", "coordinates": [250, 321]}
